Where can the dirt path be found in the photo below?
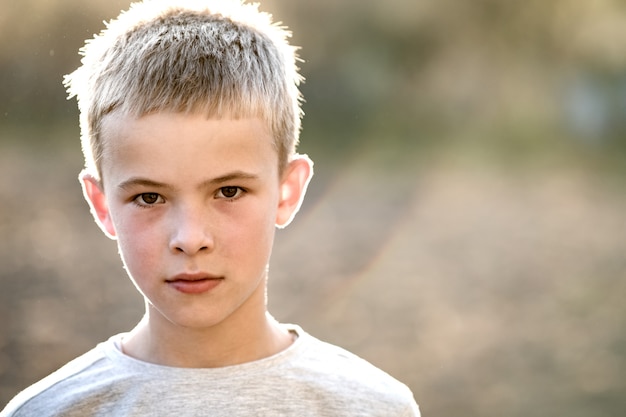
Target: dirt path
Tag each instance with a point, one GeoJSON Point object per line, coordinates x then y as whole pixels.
{"type": "Point", "coordinates": [485, 291]}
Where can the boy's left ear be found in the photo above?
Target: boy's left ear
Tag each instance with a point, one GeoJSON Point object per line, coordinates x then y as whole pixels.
{"type": "Point", "coordinates": [293, 187]}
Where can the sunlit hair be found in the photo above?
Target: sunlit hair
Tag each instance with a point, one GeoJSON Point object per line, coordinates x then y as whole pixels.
{"type": "Point", "coordinates": [223, 58]}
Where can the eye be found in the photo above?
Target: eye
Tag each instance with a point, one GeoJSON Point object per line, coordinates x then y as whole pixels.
{"type": "Point", "coordinates": [230, 192]}
{"type": "Point", "coordinates": [148, 199]}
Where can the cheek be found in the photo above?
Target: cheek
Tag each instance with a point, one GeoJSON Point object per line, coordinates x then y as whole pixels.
{"type": "Point", "coordinates": [252, 237]}
{"type": "Point", "coordinates": [136, 241]}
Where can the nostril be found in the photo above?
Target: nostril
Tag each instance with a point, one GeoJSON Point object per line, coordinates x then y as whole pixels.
{"type": "Point", "coordinates": [191, 242]}
{"type": "Point", "coordinates": [180, 249]}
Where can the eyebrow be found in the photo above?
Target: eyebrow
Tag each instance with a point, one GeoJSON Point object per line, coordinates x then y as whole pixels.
{"type": "Point", "coordinates": [145, 182]}
{"type": "Point", "coordinates": [235, 175]}
{"type": "Point", "coordinates": [138, 181]}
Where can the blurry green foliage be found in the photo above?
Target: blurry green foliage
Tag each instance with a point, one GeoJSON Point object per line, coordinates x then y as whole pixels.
{"type": "Point", "coordinates": [405, 68]}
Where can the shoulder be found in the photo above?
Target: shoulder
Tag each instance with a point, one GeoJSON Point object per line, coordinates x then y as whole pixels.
{"type": "Point", "coordinates": [323, 358]}
{"type": "Point", "coordinates": [62, 386]}
{"type": "Point", "coordinates": [345, 376]}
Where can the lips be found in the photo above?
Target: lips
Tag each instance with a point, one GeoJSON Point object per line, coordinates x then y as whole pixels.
{"type": "Point", "coordinates": [197, 283]}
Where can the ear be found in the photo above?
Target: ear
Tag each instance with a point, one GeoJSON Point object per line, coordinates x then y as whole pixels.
{"type": "Point", "coordinates": [94, 194]}
{"type": "Point", "coordinates": [293, 187]}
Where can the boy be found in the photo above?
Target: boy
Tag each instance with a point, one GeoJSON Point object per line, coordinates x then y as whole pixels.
{"type": "Point", "coordinates": [190, 116]}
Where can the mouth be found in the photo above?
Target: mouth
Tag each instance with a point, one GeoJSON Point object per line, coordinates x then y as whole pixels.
{"type": "Point", "coordinates": [194, 283]}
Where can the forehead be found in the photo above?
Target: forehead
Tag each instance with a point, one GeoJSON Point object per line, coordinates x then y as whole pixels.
{"type": "Point", "coordinates": [177, 145]}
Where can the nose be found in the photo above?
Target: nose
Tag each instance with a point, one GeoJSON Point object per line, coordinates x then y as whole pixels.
{"type": "Point", "coordinates": [191, 232]}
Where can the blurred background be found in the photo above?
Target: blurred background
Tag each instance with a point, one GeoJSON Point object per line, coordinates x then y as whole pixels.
{"type": "Point", "coordinates": [465, 230]}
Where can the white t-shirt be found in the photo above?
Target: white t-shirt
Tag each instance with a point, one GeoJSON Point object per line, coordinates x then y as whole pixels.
{"type": "Point", "coordinates": [310, 378]}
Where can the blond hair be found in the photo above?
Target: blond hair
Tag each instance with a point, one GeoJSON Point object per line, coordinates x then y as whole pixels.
{"type": "Point", "coordinates": [224, 58]}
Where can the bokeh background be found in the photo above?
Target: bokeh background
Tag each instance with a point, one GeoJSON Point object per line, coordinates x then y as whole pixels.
{"type": "Point", "coordinates": [466, 228]}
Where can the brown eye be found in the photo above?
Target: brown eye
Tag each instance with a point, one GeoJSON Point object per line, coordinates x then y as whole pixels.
{"type": "Point", "coordinates": [150, 198]}
{"type": "Point", "coordinates": [229, 192]}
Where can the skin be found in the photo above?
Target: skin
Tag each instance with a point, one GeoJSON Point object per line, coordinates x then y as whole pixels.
{"type": "Point", "coordinates": [193, 204]}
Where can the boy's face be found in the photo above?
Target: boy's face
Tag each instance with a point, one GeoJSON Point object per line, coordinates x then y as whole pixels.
{"type": "Point", "coordinates": [193, 203]}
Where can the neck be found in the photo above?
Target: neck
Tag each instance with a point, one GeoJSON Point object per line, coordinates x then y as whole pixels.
{"type": "Point", "coordinates": [222, 345]}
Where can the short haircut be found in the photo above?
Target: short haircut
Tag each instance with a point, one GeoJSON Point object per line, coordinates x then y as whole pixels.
{"type": "Point", "coordinates": [223, 58]}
